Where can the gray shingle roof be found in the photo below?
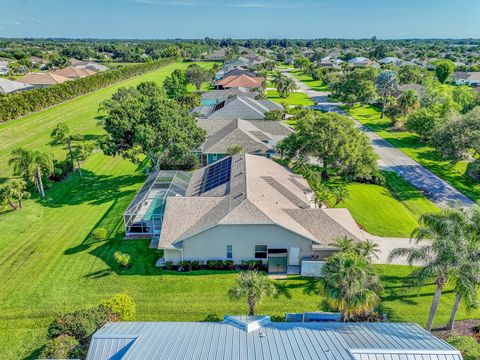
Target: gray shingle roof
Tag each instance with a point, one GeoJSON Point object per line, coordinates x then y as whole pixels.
{"type": "Point", "coordinates": [229, 340]}
{"type": "Point", "coordinates": [242, 107]}
{"type": "Point", "coordinates": [260, 191]}
{"type": "Point", "coordinates": [224, 94]}
{"type": "Point", "coordinates": [252, 136]}
{"type": "Point", "coordinates": [8, 86]}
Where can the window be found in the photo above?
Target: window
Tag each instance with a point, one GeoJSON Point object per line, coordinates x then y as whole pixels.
{"type": "Point", "coordinates": [229, 252]}
{"type": "Point", "coordinates": [261, 251]}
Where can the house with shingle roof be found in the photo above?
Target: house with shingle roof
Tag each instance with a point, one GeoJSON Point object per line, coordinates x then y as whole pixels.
{"type": "Point", "coordinates": [215, 96]}
{"type": "Point", "coordinates": [43, 79]}
{"type": "Point", "coordinates": [467, 78]}
{"type": "Point", "coordinates": [9, 86]}
{"type": "Point", "coordinates": [254, 136]}
{"type": "Point", "coordinates": [248, 207]}
{"type": "Point", "coordinates": [243, 107]}
{"type": "Point", "coordinates": [72, 72]}
{"type": "Point", "coordinates": [242, 80]}
{"type": "Point", "coordinates": [233, 72]}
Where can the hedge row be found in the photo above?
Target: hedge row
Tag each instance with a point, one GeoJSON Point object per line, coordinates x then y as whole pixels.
{"type": "Point", "coordinates": [22, 103]}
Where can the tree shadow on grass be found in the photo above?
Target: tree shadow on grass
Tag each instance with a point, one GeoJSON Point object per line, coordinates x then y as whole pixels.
{"type": "Point", "coordinates": [91, 189]}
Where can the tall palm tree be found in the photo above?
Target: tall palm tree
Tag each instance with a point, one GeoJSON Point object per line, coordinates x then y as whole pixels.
{"type": "Point", "coordinates": [254, 286]}
{"type": "Point", "coordinates": [466, 277]}
{"type": "Point", "coordinates": [32, 165]}
{"type": "Point", "coordinates": [284, 84]}
{"type": "Point", "coordinates": [61, 135]}
{"type": "Point", "coordinates": [350, 284]}
{"type": "Point", "coordinates": [368, 249]}
{"type": "Point", "coordinates": [440, 246]}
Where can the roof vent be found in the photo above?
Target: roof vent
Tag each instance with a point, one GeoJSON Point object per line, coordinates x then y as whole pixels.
{"type": "Point", "coordinates": [248, 323]}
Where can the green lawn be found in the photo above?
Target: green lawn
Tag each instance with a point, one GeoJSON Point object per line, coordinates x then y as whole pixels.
{"type": "Point", "coordinates": [390, 211]}
{"type": "Point", "coordinates": [295, 98]}
{"type": "Point", "coordinates": [317, 85]}
{"type": "Point", "coordinates": [48, 265]}
{"type": "Point", "coordinates": [410, 144]}
{"type": "Point", "coordinates": [33, 131]}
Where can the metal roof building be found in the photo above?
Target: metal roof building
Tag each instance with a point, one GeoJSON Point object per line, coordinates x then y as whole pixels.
{"type": "Point", "coordinates": [258, 338]}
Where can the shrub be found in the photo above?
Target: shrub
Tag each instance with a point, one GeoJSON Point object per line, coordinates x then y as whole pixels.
{"type": "Point", "coordinates": [228, 265]}
{"type": "Point", "coordinates": [195, 265]}
{"type": "Point", "coordinates": [467, 345]}
{"type": "Point", "coordinates": [169, 265]}
{"type": "Point", "coordinates": [215, 264]}
{"type": "Point", "coordinates": [253, 265]}
{"type": "Point", "coordinates": [62, 347]}
{"type": "Point", "coordinates": [121, 307]}
{"type": "Point", "coordinates": [185, 265]}
{"type": "Point", "coordinates": [80, 324]}
{"type": "Point", "coordinates": [122, 259]}
{"type": "Point", "coordinates": [99, 234]}
{"type": "Point", "coordinates": [274, 115]}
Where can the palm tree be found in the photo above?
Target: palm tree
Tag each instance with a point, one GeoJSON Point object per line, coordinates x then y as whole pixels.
{"type": "Point", "coordinates": [32, 165]}
{"type": "Point", "coordinates": [440, 246]}
{"type": "Point", "coordinates": [466, 277]}
{"type": "Point", "coordinates": [350, 284]}
{"type": "Point", "coordinates": [80, 152]}
{"type": "Point", "coordinates": [345, 244]}
{"type": "Point", "coordinates": [254, 286]}
{"type": "Point", "coordinates": [14, 189]}
{"type": "Point", "coordinates": [284, 84]}
{"type": "Point", "coordinates": [408, 102]}
{"type": "Point", "coordinates": [368, 249]}
{"type": "Point", "coordinates": [61, 135]}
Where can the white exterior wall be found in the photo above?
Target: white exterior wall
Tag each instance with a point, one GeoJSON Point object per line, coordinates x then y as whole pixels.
{"type": "Point", "coordinates": [212, 244]}
{"type": "Point", "coordinates": [172, 255]}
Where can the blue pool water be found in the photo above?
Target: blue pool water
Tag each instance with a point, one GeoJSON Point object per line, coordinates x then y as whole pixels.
{"type": "Point", "coordinates": [208, 102]}
{"type": "Point", "coordinates": [156, 208]}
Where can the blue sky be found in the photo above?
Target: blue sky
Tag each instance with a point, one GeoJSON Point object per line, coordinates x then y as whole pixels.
{"type": "Point", "coordinates": [240, 19]}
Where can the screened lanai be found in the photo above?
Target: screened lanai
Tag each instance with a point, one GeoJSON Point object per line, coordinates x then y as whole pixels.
{"type": "Point", "coordinates": [144, 215]}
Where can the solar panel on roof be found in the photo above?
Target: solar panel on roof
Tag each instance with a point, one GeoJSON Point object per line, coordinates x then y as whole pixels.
{"type": "Point", "coordinates": [217, 174]}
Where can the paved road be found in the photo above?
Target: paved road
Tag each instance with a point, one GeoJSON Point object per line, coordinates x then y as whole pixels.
{"type": "Point", "coordinates": [436, 189]}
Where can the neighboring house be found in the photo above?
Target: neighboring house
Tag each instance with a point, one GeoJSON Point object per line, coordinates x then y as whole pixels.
{"type": "Point", "coordinates": [245, 81]}
{"type": "Point", "coordinates": [467, 78]}
{"type": "Point", "coordinates": [361, 62]}
{"type": "Point", "coordinates": [246, 207]}
{"type": "Point", "coordinates": [215, 96]}
{"type": "Point", "coordinates": [217, 55]}
{"type": "Point", "coordinates": [73, 72]}
{"type": "Point", "coordinates": [92, 66]}
{"type": "Point", "coordinates": [240, 61]}
{"type": "Point", "coordinates": [4, 69]}
{"type": "Point", "coordinates": [38, 62]}
{"type": "Point", "coordinates": [258, 338]}
{"type": "Point", "coordinates": [43, 79]}
{"type": "Point", "coordinates": [254, 136]}
{"type": "Point", "coordinates": [236, 107]}
{"type": "Point", "coordinates": [391, 60]}
{"type": "Point", "coordinates": [234, 72]}
{"type": "Point", "coordinates": [420, 89]}
{"type": "Point", "coordinates": [331, 62]}
{"type": "Point", "coordinates": [8, 86]}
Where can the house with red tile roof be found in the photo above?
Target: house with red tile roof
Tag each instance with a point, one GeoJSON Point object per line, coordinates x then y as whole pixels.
{"type": "Point", "coordinates": [242, 80]}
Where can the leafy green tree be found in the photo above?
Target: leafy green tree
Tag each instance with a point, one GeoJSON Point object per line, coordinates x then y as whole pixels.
{"type": "Point", "coordinates": [408, 102]}
{"type": "Point", "coordinates": [337, 145]}
{"type": "Point", "coordinates": [440, 246]}
{"type": "Point", "coordinates": [458, 135]}
{"type": "Point", "coordinates": [465, 97]}
{"type": "Point", "coordinates": [197, 75]}
{"type": "Point", "coordinates": [302, 63]}
{"type": "Point", "coordinates": [350, 284]}
{"type": "Point", "coordinates": [387, 84]}
{"type": "Point", "coordinates": [32, 166]}
{"type": "Point", "coordinates": [142, 120]}
{"type": "Point", "coordinates": [410, 74]}
{"type": "Point", "coordinates": [423, 122]}
{"type": "Point", "coordinates": [356, 86]}
{"type": "Point", "coordinates": [255, 287]}
{"type": "Point", "coordinates": [443, 70]}
{"type": "Point", "coordinates": [61, 135]}
{"type": "Point", "coordinates": [13, 190]}
{"type": "Point", "coordinates": [189, 101]}
{"type": "Point", "coordinates": [175, 85]}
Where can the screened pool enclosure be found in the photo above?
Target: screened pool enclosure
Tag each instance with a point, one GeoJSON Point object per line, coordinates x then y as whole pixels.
{"type": "Point", "coordinates": [144, 215]}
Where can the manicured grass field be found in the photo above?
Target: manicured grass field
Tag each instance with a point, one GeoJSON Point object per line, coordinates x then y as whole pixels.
{"type": "Point", "coordinates": [391, 211]}
{"type": "Point", "coordinates": [49, 265]}
{"type": "Point", "coordinates": [317, 85]}
{"type": "Point", "coordinates": [295, 98]}
{"type": "Point", "coordinates": [410, 144]}
{"type": "Point", "coordinates": [81, 115]}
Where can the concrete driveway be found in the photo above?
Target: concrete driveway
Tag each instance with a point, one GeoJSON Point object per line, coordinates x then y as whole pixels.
{"type": "Point", "coordinates": [392, 159]}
